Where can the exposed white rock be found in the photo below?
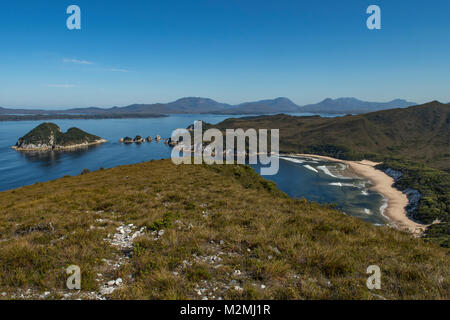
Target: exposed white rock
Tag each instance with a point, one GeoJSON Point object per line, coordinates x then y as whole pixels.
{"type": "Point", "coordinates": [124, 237]}
{"type": "Point", "coordinates": [107, 290]}
{"type": "Point", "coordinates": [275, 249]}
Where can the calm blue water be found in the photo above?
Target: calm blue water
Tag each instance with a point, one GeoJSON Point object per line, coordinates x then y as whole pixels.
{"type": "Point", "coordinates": [18, 168]}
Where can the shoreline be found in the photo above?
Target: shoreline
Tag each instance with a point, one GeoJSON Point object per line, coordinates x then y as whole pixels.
{"type": "Point", "coordinates": [42, 117]}
{"type": "Point", "coordinates": [383, 184]}
{"type": "Point", "coordinates": [62, 148]}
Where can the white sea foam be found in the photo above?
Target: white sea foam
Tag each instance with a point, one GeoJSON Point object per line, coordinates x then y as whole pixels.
{"type": "Point", "coordinates": [314, 160]}
{"type": "Point", "coordinates": [383, 207]}
{"type": "Point", "coordinates": [295, 160]}
{"type": "Point", "coordinates": [340, 184]}
{"type": "Point", "coordinates": [299, 159]}
{"type": "Point", "coordinates": [337, 169]}
{"type": "Point", "coordinates": [326, 171]}
{"type": "Point", "coordinates": [311, 168]}
{"type": "Point", "coordinates": [336, 184]}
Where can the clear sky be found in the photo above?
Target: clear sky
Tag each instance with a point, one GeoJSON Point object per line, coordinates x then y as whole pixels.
{"type": "Point", "coordinates": [229, 50]}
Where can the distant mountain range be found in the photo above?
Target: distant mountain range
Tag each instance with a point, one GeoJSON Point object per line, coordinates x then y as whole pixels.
{"type": "Point", "coordinates": [206, 105]}
{"type": "Point", "coordinates": [354, 106]}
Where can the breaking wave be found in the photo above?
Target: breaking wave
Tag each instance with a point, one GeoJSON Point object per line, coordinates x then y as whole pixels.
{"type": "Point", "coordinates": [326, 171]}
{"type": "Point", "coordinates": [295, 160]}
{"type": "Point", "coordinates": [383, 207]}
{"type": "Point", "coordinates": [311, 168]}
{"type": "Point", "coordinates": [340, 184]}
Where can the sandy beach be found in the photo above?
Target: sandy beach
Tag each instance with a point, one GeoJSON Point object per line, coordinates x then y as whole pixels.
{"type": "Point", "coordinates": [396, 200]}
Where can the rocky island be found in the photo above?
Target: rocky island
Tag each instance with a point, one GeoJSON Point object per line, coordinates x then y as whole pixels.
{"type": "Point", "coordinates": [48, 136]}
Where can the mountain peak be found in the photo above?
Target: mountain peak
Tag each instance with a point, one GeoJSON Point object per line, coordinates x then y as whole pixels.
{"type": "Point", "coordinates": [283, 99]}
{"type": "Point", "coordinates": [194, 99]}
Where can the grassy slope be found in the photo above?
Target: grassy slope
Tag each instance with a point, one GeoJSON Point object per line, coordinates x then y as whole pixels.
{"type": "Point", "coordinates": [415, 141]}
{"type": "Point", "coordinates": [298, 249]}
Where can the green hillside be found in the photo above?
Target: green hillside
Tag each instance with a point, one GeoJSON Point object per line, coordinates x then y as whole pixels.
{"type": "Point", "coordinates": [420, 133]}
{"type": "Point", "coordinates": [196, 231]}
{"type": "Point", "coordinates": [45, 133]}
{"type": "Point", "coordinates": [76, 136]}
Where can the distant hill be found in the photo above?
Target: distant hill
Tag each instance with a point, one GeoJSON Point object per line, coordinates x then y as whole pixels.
{"type": "Point", "coordinates": [200, 105]}
{"type": "Point", "coordinates": [183, 105]}
{"type": "Point", "coordinates": [263, 107]}
{"type": "Point", "coordinates": [205, 105]}
{"type": "Point", "coordinates": [353, 106]}
{"type": "Point", "coordinates": [85, 116]}
{"type": "Point", "coordinates": [25, 111]}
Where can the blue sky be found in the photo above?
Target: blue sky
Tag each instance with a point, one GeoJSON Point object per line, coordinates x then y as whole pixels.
{"type": "Point", "coordinates": [229, 50]}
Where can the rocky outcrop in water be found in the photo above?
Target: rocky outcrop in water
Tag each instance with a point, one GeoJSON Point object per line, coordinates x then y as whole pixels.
{"type": "Point", "coordinates": [126, 140]}
{"type": "Point", "coordinates": [138, 139]}
{"type": "Point", "coordinates": [48, 136]}
{"type": "Point", "coordinates": [171, 142]}
{"type": "Point", "coordinates": [396, 175]}
{"type": "Point", "coordinates": [413, 201]}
